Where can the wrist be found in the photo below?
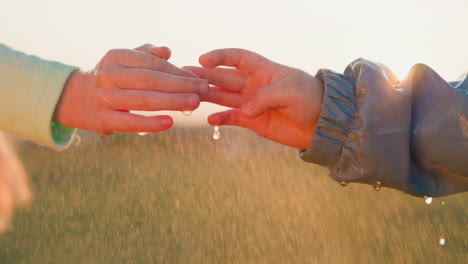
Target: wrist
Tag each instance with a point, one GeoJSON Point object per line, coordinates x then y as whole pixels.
{"type": "Point", "coordinates": [66, 110]}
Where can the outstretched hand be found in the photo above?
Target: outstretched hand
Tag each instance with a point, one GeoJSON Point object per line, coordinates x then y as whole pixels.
{"type": "Point", "coordinates": [100, 100]}
{"type": "Point", "coordinates": [277, 102]}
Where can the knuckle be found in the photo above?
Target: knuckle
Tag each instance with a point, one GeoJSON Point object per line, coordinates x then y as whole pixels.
{"type": "Point", "coordinates": [158, 63]}
{"type": "Point", "coordinates": [103, 76]}
{"type": "Point", "coordinates": [145, 47]}
{"type": "Point", "coordinates": [102, 122]}
{"type": "Point", "coordinates": [142, 103]}
{"type": "Point", "coordinates": [111, 53]}
{"type": "Point", "coordinates": [148, 46]}
{"type": "Point", "coordinates": [188, 85]}
{"type": "Point", "coordinates": [103, 97]}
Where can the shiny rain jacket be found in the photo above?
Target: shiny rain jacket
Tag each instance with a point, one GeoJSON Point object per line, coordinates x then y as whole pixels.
{"type": "Point", "coordinates": [410, 135]}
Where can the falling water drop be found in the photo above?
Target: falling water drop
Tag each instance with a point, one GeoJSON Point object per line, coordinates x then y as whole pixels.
{"type": "Point", "coordinates": [378, 186]}
{"type": "Point", "coordinates": [428, 199]}
{"type": "Point", "coordinates": [187, 113]}
{"type": "Point", "coordinates": [143, 133]}
{"type": "Point", "coordinates": [343, 183]}
{"type": "Point", "coordinates": [216, 133]}
{"type": "Point", "coordinates": [441, 241]}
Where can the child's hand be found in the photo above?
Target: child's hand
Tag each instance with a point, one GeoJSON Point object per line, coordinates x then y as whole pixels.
{"type": "Point", "coordinates": [14, 190]}
{"type": "Point", "coordinates": [100, 100]}
{"type": "Point", "coordinates": [275, 101]}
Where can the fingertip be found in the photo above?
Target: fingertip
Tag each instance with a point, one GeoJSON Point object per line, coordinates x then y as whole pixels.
{"type": "Point", "coordinates": [166, 122]}
{"type": "Point", "coordinates": [207, 60]}
{"type": "Point", "coordinates": [161, 52]}
{"type": "Point", "coordinates": [193, 102]}
{"type": "Point", "coordinates": [168, 52]}
{"type": "Point", "coordinates": [214, 120]}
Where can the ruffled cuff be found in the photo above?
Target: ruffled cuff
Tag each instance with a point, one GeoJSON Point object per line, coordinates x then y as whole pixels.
{"type": "Point", "coordinates": [338, 110]}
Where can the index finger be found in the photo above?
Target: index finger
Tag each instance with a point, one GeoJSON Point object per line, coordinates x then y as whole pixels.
{"type": "Point", "coordinates": [162, 52]}
{"type": "Point", "coordinates": [144, 60]}
{"type": "Point", "coordinates": [230, 79]}
{"type": "Point", "coordinates": [245, 61]}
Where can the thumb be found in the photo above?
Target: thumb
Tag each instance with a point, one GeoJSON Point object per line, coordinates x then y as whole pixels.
{"type": "Point", "coordinates": [266, 98]}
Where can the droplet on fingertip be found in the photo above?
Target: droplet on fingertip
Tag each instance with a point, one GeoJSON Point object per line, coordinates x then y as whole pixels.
{"type": "Point", "coordinates": [428, 199]}
{"type": "Point", "coordinates": [378, 186]}
{"type": "Point", "coordinates": [187, 113]}
{"type": "Point", "coordinates": [216, 133]}
{"type": "Point", "coordinates": [343, 183]}
{"type": "Point", "coordinates": [143, 133]}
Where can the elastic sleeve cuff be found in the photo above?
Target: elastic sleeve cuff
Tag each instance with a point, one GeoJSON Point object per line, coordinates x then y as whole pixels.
{"type": "Point", "coordinates": [61, 135]}
{"type": "Point", "coordinates": [338, 110]}
{"type": "Point", "coordinates": [51, 134]}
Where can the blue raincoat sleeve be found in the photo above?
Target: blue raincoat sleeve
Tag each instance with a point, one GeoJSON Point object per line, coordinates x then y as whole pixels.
{"type": "Point", "coordinates": [410, 135]}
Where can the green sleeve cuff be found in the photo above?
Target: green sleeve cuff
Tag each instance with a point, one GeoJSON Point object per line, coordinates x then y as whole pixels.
{"type": "Point", "coordinates": [61, 135]}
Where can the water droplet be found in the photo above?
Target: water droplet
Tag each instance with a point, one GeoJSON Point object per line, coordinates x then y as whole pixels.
{"type": "Point", "coordinates": [343, 183]}
{"type": "Point", "coordinates": [143, 133]}
{"type": "Point", "coordinates": [443, 202]}
{"type": "Point", "coordinates": [187, 113]}
{"type": "Point", "coordinates": [378, 186]}
{"type": "Point", "coordinates": [216, 133]}
{"type": "Point", "coordinates": [428, 199]}
{"type": "Point", "coordinates": [441, 241]}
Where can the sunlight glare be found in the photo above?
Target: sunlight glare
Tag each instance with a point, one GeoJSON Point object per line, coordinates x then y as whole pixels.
{"type": "Point", "coordinates": [401, 71]}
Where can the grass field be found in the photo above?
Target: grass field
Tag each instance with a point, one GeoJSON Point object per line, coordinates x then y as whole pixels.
{"type": "Point", "coordinates": [180, 197]}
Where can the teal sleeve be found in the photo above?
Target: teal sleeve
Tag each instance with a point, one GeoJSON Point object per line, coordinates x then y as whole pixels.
{"type": "Point", "coordinates": [410, 135]}
{"type": "Point", "coordinates": [30, 88]}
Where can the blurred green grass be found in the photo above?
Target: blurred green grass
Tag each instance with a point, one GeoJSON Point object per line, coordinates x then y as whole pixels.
{"type": "Point", "coordinates": [180, 197]}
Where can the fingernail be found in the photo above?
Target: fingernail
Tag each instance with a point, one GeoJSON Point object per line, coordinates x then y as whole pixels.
{"type": "Point", "coordinates": [192, 102]}
{"type": "Point", "coordinates": [202, 87]}
{"type": "Point", "coordinates": [166, 123]}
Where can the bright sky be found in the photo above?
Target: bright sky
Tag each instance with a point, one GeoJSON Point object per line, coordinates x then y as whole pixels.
{"type": "Point", "coordinates": [305, 34]}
